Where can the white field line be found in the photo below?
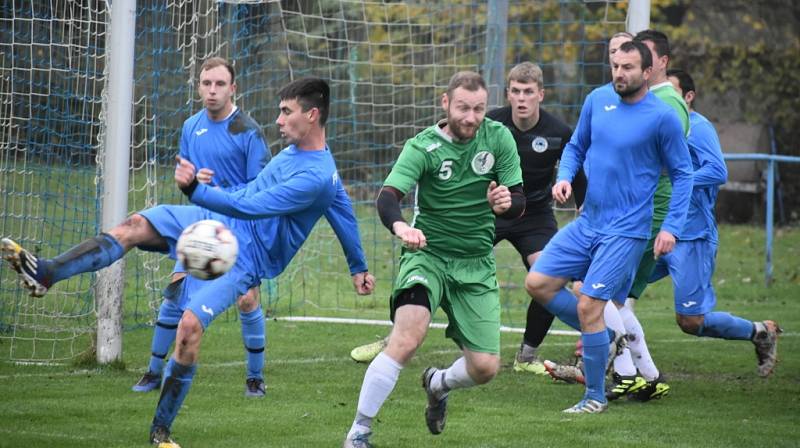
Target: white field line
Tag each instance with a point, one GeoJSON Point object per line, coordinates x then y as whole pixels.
{"type": "Point", "coordinates": [343, 359]}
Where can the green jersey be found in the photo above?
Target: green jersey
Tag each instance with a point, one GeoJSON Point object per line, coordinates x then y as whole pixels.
{"type": "Point", "coordinates": [452, 178]}
{"type": "Point", "coordinates": [667, 93]}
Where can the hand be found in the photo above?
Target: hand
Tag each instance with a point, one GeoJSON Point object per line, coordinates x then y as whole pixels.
{"type": "Point", "coordinates": [664, 243]}
{"type": "Point", "coordinates": [204, 175]}
{"type": "Point", "coordinates": [562, 190]}
{"type": "Point", "coordinates": [184, 172]}
{"type": "Point", "coordinates": [412, 238]}
{"type": "Point", "coordinates": [499, 198]}
{"type": "Point", "coordinates": [364, 282]}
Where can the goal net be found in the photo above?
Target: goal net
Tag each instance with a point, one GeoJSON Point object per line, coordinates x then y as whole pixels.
{"type": "Point", "coordinates": [387, 62]}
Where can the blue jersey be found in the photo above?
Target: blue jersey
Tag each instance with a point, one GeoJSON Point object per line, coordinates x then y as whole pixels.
{"type": "Point", "coordinates": [709, 173]}
{"type": "Point", "coordinates": [234, 148]}
{"type": "Point", "coordinates": [625, 147]}
{"type": "Point", "coordinates": [281, 207]}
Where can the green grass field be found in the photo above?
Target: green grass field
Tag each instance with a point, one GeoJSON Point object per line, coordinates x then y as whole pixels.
{"type": "Point", "coordinates": [717, 400]}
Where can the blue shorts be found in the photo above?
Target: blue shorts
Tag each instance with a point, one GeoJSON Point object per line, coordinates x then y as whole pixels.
{"type": "Point", "coordinates": [691, 265]}
{"type": "Point", "coordinates": [207, 299]}
{"type": "Point", "coordinates": [606, 263]}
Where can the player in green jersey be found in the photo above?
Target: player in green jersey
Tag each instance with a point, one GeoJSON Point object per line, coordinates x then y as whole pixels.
{"type": "Point", "coordinates": [467, 172]}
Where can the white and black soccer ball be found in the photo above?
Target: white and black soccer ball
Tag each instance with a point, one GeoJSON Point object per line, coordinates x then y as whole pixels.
{"type": "Point", "coordinates": [207, 249]}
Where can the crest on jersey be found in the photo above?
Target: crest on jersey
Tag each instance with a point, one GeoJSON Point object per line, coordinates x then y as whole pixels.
{"type": "Point", "coordinates": [483, 162]}
{"type": "Point", "coordinates": [539, 144]}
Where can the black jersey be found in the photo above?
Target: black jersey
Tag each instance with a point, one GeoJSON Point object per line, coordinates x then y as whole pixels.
{"type": "Point", "coordinates": [539, 150]}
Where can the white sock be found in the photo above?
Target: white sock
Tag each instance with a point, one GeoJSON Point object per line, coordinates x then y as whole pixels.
{"type": "Point", "coordinates": [378, 383]}
{"type": "Point", "coordinates": [455, 377]}
{"type": "Point", "coordinates": [623, 364]}
{"type": "Point", "coordinates": [637, 344]}
{"type": "Point", "coordinates": [613, 319]}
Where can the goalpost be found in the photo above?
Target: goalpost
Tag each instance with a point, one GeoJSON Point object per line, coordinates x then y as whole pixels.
{"type": "Point", "coordinates": [387, 63]}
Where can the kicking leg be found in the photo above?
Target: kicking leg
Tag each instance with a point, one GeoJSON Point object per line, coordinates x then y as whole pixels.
{"type": "Point", "coordinates": [38, 275]}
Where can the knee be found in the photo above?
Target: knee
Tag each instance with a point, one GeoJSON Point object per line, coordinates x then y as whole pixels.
{"type": "Point", "coordinates": [402, 346]}
{"type": "Point", "coordinates": [689, 324]}
{"type": "Point", "coordinates": [190, 330]}
{"type": "Point", "coordinates": [536, 286]}
{"type": "Point", "coordinates": [249, 301]}
{"type": "Point", "coordinates": [131, 231]}
{"type": "Point", "coordinates": [589, 309]}
{"type": "Point", "coordinates": [485, 369]}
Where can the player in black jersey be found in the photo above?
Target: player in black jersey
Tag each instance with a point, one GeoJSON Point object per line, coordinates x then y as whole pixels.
{"type": "Point", "coordinates": [540, 138]}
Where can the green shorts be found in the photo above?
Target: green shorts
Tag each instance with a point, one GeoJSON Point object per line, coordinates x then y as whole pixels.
{"type": "Point", "coordinates": [647, 264]}
{"type": "Point", "coordinates": [465, 288]}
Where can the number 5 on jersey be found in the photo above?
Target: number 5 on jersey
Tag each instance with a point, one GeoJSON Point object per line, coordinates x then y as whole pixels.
{"type": "Point", "coordinates": [446, 170]}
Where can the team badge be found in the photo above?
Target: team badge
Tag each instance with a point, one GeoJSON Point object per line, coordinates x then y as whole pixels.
{"type": "Point", "coordinates": [483, 162]}
{"type": "Point", "coordinates": [539, 144]}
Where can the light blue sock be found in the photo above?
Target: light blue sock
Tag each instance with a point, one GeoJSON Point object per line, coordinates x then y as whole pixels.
{"type": "Point", "coordinates": [565, 306]}
{"type": "Point", "coordinates": [89, 256]}
{"type": "Point", "coordinates": [164, 334]}
{"type": "Point", "coordinates": [725, 326]}
{"type": "Point", "coordinates": [254, 336]}
{"type": "Point", "coordinates": [595, 358]}
{"type": "Point", "coordinates": [177, 382]}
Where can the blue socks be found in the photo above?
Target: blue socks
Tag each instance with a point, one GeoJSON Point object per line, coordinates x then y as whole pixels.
{"type": "Point", "coordinates": [595, 358]}
{"type": "Point", "coordinates": [565, 306]}
{"type": "Point", "coordinates": [254, 338]}
{"type": "Point", "coordinates": [89, 256]}
{"type": "Point", "coordinates": [164, 333]}
{"type": "Point", "coordinates": [177, 381]}
{"type": "Point", "coordinates": [725, 326]}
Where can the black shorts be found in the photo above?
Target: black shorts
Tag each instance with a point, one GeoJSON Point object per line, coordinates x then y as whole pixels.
{"type": "Point", "coordinates": [529, 233]}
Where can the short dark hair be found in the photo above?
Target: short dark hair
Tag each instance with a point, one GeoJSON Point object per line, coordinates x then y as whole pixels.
{"type": "Point", "coordinates": [644, 52]}
{"type": "Point", "coordinates": [217, 61]}
{"type": "Point", "coordinates": [309, 93]}
{"type": "Point", "coordinates": [468, 80]}
{"type": "Point", "coordinates": [684, 80]}
{"type": "Point", "coordinates": [659, 40]}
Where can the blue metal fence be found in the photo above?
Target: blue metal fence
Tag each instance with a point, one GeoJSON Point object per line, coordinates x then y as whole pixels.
{"type": "Point", "coordinates": [772, 162]}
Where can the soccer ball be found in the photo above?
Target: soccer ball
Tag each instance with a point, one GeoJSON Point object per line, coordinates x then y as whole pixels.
{"type": "Point", "coordinates": [207, 249]}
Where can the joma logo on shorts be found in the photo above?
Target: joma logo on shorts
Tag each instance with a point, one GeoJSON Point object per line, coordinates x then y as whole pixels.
{"type": "Point", "coordinates": [417, 278]}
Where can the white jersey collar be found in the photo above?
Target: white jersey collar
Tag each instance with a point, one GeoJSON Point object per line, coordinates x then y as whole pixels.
{"type": "Point", "coordinates": [658, 86]}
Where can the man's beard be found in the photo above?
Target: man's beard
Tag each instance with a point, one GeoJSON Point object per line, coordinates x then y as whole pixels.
{"type": "Point", "coordinates": [630, 90]}
{"type": "Point", "coordinates": [458, 131]}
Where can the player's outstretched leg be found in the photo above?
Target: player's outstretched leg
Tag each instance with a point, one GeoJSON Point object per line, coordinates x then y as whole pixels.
{"type": "Point", "coordinates": [38, 275]}
{"type": "Point", "coordinates": [368, 352]}
{"type": "Point", "coordinates": [722, 325]}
